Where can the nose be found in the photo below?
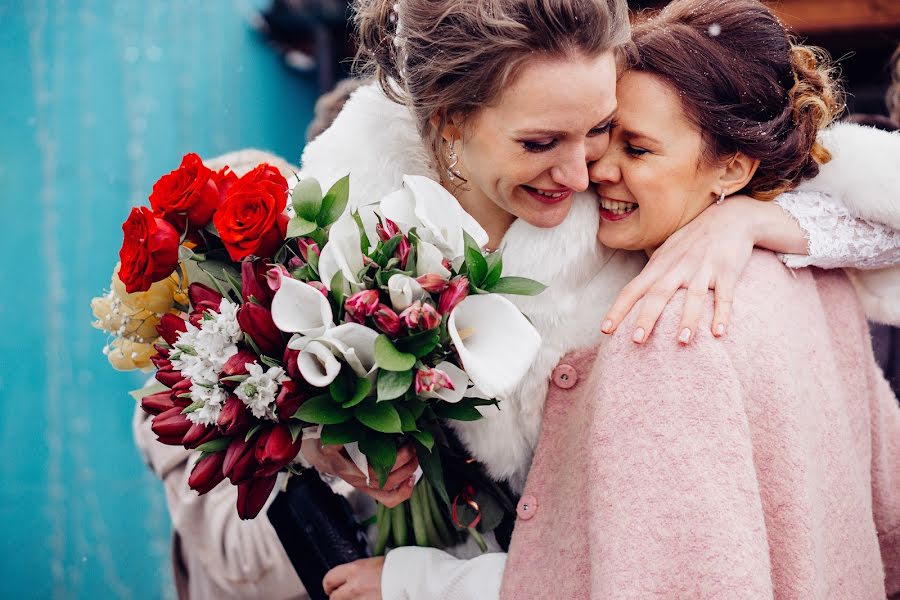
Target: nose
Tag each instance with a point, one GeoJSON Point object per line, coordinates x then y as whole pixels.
{"type": "Point", "coordinates": [573, 172]}
{"type": "Point", "coordinates": [605, 169]}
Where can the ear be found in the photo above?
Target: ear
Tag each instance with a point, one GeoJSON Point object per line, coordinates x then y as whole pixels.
{"type": "Point", "coordinates": [451, 130]}
{"type": "Point", "coordinates": [737, 173]}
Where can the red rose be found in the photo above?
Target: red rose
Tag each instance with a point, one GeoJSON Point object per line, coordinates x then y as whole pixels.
{"type": "Point", "coordinates": [251, 219]}
{"type": "Point", "coordinates": [149, 252]}
{"type": "Point", "coordinates": [187, 194]}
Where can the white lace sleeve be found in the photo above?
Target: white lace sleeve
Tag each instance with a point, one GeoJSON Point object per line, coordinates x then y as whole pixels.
{"type": "Point", "coordinates": [837, 239]}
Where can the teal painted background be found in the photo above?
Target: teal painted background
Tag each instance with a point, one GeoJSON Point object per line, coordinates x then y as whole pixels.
{"type": "Point", "coordinates": [97, 100]}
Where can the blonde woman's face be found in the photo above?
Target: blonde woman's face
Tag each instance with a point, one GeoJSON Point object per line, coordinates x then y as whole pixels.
{"type": "Point", "coordinates": [528, 153]}
{"type": "Point", "coordinates": [652, 180]}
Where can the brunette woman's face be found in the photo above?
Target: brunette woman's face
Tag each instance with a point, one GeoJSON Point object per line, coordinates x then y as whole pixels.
{"type": "Point", "coordinates": [653, 179]}
{"type": "Point", "coordinates": [528, 152]}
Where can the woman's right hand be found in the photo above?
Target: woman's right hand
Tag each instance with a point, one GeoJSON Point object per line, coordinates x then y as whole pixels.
{"type": "Point", "coordinates": [333, 460]}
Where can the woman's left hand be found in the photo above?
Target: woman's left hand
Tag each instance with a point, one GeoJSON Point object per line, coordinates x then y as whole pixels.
{"type": "Point", "coordinates": [358, 580]}
{"type": "Point", "coordinates": [709, 253]}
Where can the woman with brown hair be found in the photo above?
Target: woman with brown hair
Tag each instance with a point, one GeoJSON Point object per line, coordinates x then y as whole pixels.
{"type": "Point", "coordinates": [506, 103]}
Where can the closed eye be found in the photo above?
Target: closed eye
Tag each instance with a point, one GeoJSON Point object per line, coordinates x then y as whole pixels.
{"type": "Point", "coordinates": [601, 130]}
{"type": "Point", "coordinates": [541, 146]}
{"type": "Point", "coordinates": [635, 150]}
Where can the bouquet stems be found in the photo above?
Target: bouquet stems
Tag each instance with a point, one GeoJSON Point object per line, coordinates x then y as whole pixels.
{"type": "Point", "coordinates": [422, 515]}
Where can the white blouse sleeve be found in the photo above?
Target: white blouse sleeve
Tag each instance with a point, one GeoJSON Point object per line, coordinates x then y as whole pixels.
{"type": "Point", "coordinates": [836, 238]}
{"type": "Point", "coordinates": [413, 573]}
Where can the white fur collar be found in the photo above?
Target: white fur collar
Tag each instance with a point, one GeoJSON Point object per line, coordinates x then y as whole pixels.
{"type": "Point", "coordinates": [375, 140]}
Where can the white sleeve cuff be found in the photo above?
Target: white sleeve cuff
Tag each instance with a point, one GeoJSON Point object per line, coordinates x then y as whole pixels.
{"type": "Point", "coordinates": [414, 573]}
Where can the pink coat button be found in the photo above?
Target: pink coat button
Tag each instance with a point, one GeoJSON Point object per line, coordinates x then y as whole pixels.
{"type": "Point", "coordinates": [527, 507]}
{"type": "Point", "coordinates": [565, 376]}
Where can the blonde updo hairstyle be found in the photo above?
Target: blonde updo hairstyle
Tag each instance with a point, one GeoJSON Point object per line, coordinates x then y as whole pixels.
{"type": "Point", "coordinates": [745, 83]}
{"type": "Point", "coordinates": [449, 58]}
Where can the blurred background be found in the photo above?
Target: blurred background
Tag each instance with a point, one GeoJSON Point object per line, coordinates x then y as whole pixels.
{"type": "Point", "coordinates": [98, 98]}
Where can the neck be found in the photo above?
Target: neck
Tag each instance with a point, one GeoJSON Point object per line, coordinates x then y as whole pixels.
{"type": "Point", "coordinates": [491, 217]}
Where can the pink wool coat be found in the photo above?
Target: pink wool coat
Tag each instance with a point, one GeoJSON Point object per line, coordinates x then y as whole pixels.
{"type": "Point", "coordinates": [764, 465]}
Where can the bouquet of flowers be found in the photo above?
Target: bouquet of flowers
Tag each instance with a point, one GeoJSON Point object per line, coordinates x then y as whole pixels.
{"type": "Point", "coordinates": [274, 315]}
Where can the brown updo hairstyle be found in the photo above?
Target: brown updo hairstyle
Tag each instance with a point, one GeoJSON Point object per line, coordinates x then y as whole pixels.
{"type": "Point", "coordinates": [893, 93]}
{"type": "Point", "coordinates": [745, 83]}
{"type": "Point", "coordinates": [448, 58]}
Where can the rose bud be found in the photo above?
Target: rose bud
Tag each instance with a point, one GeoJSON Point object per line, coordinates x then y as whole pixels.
{"type": "Point", "coordinates": [149, 250]}
{"type": "Point", "coordinates": [235, 418]}
{"type": "Point", "coordinates": [295, 263]}
{"type": "Point", "coordinates": [207, 473]}
{"type": "Point", "coordinates": [239, 463]}
{"type": "Point", "coordinates": [237, 364]}
{"type": "Point", "coordinates": [361, 305]}
{"type": "Point", "coordinates": [257, 322]}
{"type": "Point", "coordinates": [456, 291]}
{"type": "Point", "coordinates": [429, 380]}
{"type": "Point", "coordinates": [171, 426]}
{"type": "Point", "coordinates": [387, 320]}
{"type": "Point", "coordinates": [402, 252]}
{"type": "Point", "coordinates": [198, 435]}
{"type": "Point", "coordinates": [289, 399]}
{"type": "Point", "coordinates": [432, 283]}
{"type": "Point", "coordinates": [158, 403]}
{"type": "Point", "coordinates": [430, 317]}
{"type": "Point", "coordinates": [387, 229]}
{"type": "Point", "coordinates": [275, 448]}
{"type": "Point", "coordinates": [274, 275]}
{"type": "Point", "coordinates": [411, 315]}
{"type": "Point", "coordinates": [254, 283]}
{"type": "Point", "coordinates": [170, 327]}
{"type": "Point", "coordinates": [307, 247]}
{"type": "Point", "coordinates": [253, 494]}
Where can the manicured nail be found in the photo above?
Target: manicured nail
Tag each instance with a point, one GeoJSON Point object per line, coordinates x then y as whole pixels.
{"type": "Point", "coordinates": [685, 335]}
{"type": "Point", "coordinates": [606, 327]}
{"type": "Point", "coordinates": [638, 335]}
{"type": "Point", "coordinates": [720, 329]}
{"type": "Point", "coordinates": [411, 482]}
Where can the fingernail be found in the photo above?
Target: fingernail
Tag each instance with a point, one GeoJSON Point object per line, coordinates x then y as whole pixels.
{"type": "Point", "coordinates": [606, 327]}
{"type": "Point", "coordinates": [720, 329]}
{"type": "Point", "coordinates": [638, 335]}
{"type": "Point", "coordinates": [685, 336]}
{"type": "Point", "coordinates": [411, 482]}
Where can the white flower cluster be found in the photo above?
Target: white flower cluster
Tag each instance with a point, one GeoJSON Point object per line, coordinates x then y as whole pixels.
{"type": "Point", "coordinates": [200, 353]}
{"type": "Point", "coordinates": [260, 389]}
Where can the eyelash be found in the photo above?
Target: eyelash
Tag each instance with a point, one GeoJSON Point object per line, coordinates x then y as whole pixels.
{"type": "Point", "coordinates": [545, 147]}
{"type": "Point", "coordinates": [634, 151]}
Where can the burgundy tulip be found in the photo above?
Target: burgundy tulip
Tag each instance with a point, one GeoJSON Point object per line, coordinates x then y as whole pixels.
{"type": "Point", "coordinates": [169, 378]}
{"type": "Point", "coordinates": [257, 322]}
{"type": "Point", "coordinates": [159, 402]}
{"type": "Point", "coordinates": [204, 296]}
{"type": "Point", "coordinates": [402, 252]}
{"type": "Point", "coordinates": [456, 291]}
{"type": "Point", "coordinates": [291, 367]}
{"type": "Point", "coordinates": [237, 364]}
{"type": "Point", "coordinates": [207, 473]}
{"type": "Point", "coordinates": [239, 463]}
{"type": "Point", "coordinates": [171, 426]}
{"type": "Point", "coordinates": [181, 387]}
{"type": "Point", "coordinates": [170, 327]}
{"type": "Point", "coordinates": [386, 230]}
{"type": "Point", "coordinates": [420, 315]}
{"type": "Point", "coordinates": [289, 400]}
{"type": "Point", "coordinates": [162, 353]}
{"type": "Point", "coordinates": [387, 320]}
{"type": "Point", "coordinates": [252, 495]}
{"type": "Point", "coordinates": [275, 448]}
{"type": "Point", "coordinates": [161, 362]}
{"type": "Point", "coordinates": [254, 283]}
{"type": "Point", "coordinates": [199, 434]}
{"type": "Point", "coordinates": [235, 418]}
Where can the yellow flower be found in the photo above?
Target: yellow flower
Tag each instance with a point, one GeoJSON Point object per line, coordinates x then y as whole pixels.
{"type": "Point", "coordinates": [160, 298]}
{"type": "Point", "coordinates": [122, 320]}
{"type": "Point", "coordinates": [127, 355]}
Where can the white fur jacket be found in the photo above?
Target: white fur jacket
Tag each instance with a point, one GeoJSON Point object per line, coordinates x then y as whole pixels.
{"type": "Point", "coordinates": [376, 142]}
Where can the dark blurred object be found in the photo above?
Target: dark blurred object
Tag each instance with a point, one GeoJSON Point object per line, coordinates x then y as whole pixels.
{"type": "Point", "coordinates": [892, 98]}
{"type": "Point", "coordinates": [329, 105]}
{"type": "Point", "coordinates": [877, 121]}
{"type": "Point", "coordinates": [317, 528]}
{"type": "Point", "coordinates": [313, 36]}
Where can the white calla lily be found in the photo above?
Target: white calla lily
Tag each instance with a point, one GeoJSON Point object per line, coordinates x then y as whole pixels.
{"type": "Point", "coordinates": [404, 290]}
{"type": "Point", "coordinates": [442, 217]}
{"type": "Point", "coordinates": [318, 364]}
{"type": "Point", "coordinates": [359, 459]}
{"type": "Point", "coordinates": [300, 308]}
{"type": "Point", "coordinates": [342, 253]}
{"type": "Point", "coordinates": [400, 207]}
{"type": "Point", "coordinates": [495, 342]}
{"type": "Point", "coordinates": [355, 344]}
{"type": "Point", "coordinates": [430, 260]}
{"type": "Point", "coordinates": [460, 383]}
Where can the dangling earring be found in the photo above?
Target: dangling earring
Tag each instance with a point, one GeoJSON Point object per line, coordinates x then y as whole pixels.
{"type": "Point", "coordinates": [721, 197]}
{"type": "Point", "coordinates": [452, 171]}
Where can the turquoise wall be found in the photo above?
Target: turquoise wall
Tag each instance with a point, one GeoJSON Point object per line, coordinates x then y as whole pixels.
{"type": "Point", "coordinates": [97, 100]}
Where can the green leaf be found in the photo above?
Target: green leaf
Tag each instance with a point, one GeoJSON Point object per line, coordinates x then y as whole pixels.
{"type": "Point", "coordinates": [343, 386]}
{"type": "Point", "coordinates": [495, 268]}
{"type": "Point", "coordinates": [296, 430]}
{"type": "Point", "coordinates": [393, 384]}
{"type": "Point", "coordinates": [147, 390]}
{"type": "Point", "coordinates": [363, 387]}
{"type": "Point", "coordinates": [476, 264]}
{"type": "Point", "coordinates": [381, 450]}
{"type": "Point", "coordinates": [298, 227]}
{"type": "Point", "coordinates": [426, 438]}
{"type": "Point", "coordinates": [252, 432]}
{"type": "Point", "coordinates": [363, 237]}
{"type": "Point", "coordinates": [419, 344]}
{"type": "Point", "coordinates": [307, 199]}
{"type": "Point", "coordinates": [269, 361]}
{"type": "Point", "coordinates": [520, 286]}
{"type": "Point", "coordinates": [313, 262]}
{"type": "Point", "coordinates": [234, 282]}
{"type": "Point", "coordinates": [323, 411]}
{"type": "Point", "coordinates": [340, 287]}
{"type": "Point", "coordinates": [457, 412]}
{"type": "Point", "coordinates": [380, 416]}
{"type": "Point", "coordinates": [216, 445]}
{"type": "Point", "coordinates": [193, 407]}
{"type": "Point", "coordinates": [342, 433]}
{"type": "Point", "coordinates": [335, 202]}
{"type": "Point", "coordinates": [434, 471]}
{"type": "Point", "coordinates": [389, 358]}
{"type": "Point", "coordinates": [407, 421]}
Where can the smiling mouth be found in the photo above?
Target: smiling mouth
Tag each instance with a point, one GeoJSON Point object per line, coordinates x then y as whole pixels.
{"type": "Point", "coordinates": [617, 207]}
{"type": "Point", "coordinates": [547, 197]}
